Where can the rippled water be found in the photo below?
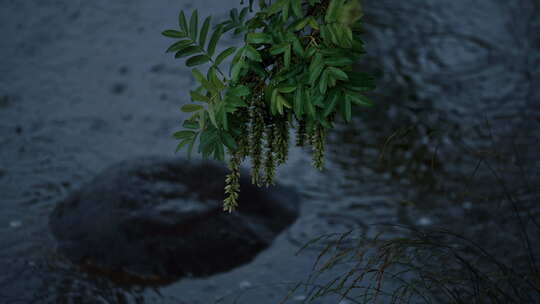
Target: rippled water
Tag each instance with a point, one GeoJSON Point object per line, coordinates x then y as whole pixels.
{"type": "Point", "coordinates": [86, 84]}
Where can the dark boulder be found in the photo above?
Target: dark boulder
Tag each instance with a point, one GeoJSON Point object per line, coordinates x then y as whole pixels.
{"type": "Point", "coordinates": [159, 219]}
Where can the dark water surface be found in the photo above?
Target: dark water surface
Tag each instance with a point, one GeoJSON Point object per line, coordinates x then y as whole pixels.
{"type": "Point", "coordinates": [85, 84]}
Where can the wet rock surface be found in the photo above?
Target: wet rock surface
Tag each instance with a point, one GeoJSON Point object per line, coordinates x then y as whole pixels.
{"type": "Point", "coordinates": [158, 219]}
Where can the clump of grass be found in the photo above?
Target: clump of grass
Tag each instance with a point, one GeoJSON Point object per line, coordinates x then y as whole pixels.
{"type": "Point", "coordinates": [429, 266]}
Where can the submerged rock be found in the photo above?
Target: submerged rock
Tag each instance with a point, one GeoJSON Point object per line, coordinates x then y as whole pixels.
{"type": "Point", "coordinates": [159, 219]}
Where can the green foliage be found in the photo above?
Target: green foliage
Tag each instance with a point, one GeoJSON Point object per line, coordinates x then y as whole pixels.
{"type": "Point", "coordinates": [293, 71]}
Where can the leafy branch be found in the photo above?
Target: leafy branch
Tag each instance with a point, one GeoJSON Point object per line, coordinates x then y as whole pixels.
{"type": "Point", "coordinates": [293, 71]}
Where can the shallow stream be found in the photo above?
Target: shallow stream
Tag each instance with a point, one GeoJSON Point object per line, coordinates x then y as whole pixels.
{"type": "Point", "coordinates": [85, 84]}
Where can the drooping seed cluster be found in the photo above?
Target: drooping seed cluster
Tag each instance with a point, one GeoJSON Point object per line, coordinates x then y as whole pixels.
{"type": "Point", "coordinates": [265, 139]}
{"type": "Point", "coordinates": [282, 141]}
{"type": "Point", "coordinates": [318, 140]}
{"type": "Point", "coordinates": [256, 139]}
{"type": "Point", "coordinates": [270, 161]}
{"type": "Point", "coordinates": [232, 183]}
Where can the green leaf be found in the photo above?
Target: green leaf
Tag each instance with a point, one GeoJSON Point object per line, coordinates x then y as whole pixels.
{"type": "Point", "coordinates": [190, 146]}
{"type": "Point", "coordinates": [214, 40]}
{"type": "Point", "coordinates": [178, 45]}
{"type": "Point", "coordinates": [196, 96]}
{"type": "Point", "coordinates": [300, 24]}
{"type": "Point", "coordinates": [253, 54]}
{"type": "Point", "coordinates": [229, 141]}
{"type": "Point", "coordinates": [313, 23]}
{"type": "Point", "coordinates": [287, 89]}
{"type": "Point", "coordinates": [318, 99]}
{"type": "Point", "coordinates": [197, 60]}
{"type": "Point", "coordinates": [189, 124]}
{"type": "Point", "coordinates": [287, 57]}
{"type": "Point", "coordinates": [277, 6]}
{"type": "Point", "coordinates": [331, 80]}
{"type": "Point", "coordinates": [193, 28]}
{"type": "Point", "coordinates": [257, 68]}
{"type": "Point", "coordinates": [243, 13]}
{"type": "Point", "coordinates": [332, 104]}
{"type": "Point", "coordinates": [214, 79]}
{"type": "Point", "coordinates": [347, 110]}
{"type": "Point", "coordinates": [347, 37]}
{"type": "Point", "coordinates": [228, 25]}
{"type": "Point", "coordinates": [338, 74]}
{"type": "Point", "coordinates": [309, 107]}
{"type": "Point", "coordinates": [297, 47]}
{"type": "Point", "coordinates": [280, 48]}
{"type": "Point", "coordinates": [236, 69]}
{"type": "Point", "coordinates": [280, 103]}
{"type": "Point", "coordinates": [333, 10]}
{"type": "Point", "coordinates": [340, 32]}
{"type": "Point", "coordinates": [239, 55]}
{"type": "Point", "coordinates": [325, 123]}
{"type": "Point", "coordinates": [334, 34]}
{"type": "Point", "coordinates": [317, 61]}
{"type": "Point", "coordinates": [187, 51]}
{"type": "Point", "coordinates": [183, 143]}
{"type": "Point", "coordinates": [360, 100]}
{"type": "Point", "coordinates": [258, 38]}
{"type": "Point", "coordinates": [221, 115]}
{"type": "Point", "coordinates": [182, 21]}
{"type": "Point", "coordinates": [234, 14]}
{"type": "Point", "coordinates": [173, 34]}
{"type": "Point", "coordinates": [202, 119]}
{"type": "Point", "coordinates": [202, 80]}
{"type": "Point", "coordinates": [208, 140]}
{"type": "Point", "coordinates": [297, 8]}
{"type": "Point", "coordinates": [357, 89]}
{"type": "Point", "coordinates": [286, 103]}
{"type": "Point", "coordinates": [219, 152]}
{"type": "Point", "coordinates": [323, 84]}
{"type": "Point", "coordinates": [223, 55]}
{"type": "Point", "coordinates": [184, 134]}
{"type": "Point", "coordinates": [204, 31]}
{"type": "Point", "coordinates": [273, 102]}
{"type": "Point", "coordinates": [285, 75]}
{"type": "Point", "coordinates": [240, 91]}
{"type": "Point", "coordinates": [339, 61]}
{"type": "Point", "coordinates": [212, 115]}
{"type": "Point", "coordinates": [285, 11]}
{"type": "Point", "coordinates": [325, 34]}
{"type": "Point", "coordinates": [310, 51]}
{"type": "Point", "coordinates": [232, 103]}
{"type": "Point", "coordinates": [315, 74]}
{"type": "Point", "coordinates": [191, 108]}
